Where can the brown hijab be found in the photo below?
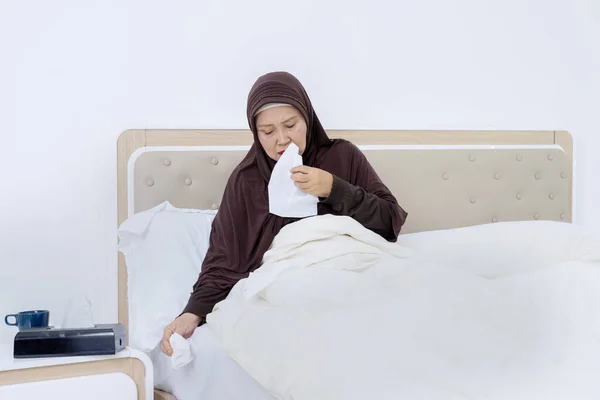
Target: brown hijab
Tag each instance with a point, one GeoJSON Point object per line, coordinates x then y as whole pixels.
{"type": "Point", "coordinates": [243, 228]}
{"type": "Point", "coordinates": [282, 87]}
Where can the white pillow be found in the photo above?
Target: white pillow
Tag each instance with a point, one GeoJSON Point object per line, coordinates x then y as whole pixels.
{"type": "Point", "coordinates": [164, 248]}
{"type": "Point", "coordinates": [505, 248]}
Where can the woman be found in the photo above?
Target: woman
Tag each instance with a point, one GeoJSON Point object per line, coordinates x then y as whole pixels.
{"type": "Point", "coordinates": [279, 112]}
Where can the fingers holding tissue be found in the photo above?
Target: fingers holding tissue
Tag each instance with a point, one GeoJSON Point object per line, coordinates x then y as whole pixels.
{"type": "Point", "coordinates": [314, 181]}
{"type": "Point", "coordinates": [174, 342]}
{"type": "Point", "coordinates": [182, 351]}
{"type": "Point", "coordinates": [285, 198]}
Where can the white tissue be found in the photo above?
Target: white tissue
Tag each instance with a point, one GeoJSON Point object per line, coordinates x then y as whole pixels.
{"type": "Point", "coordinates": [285, 198]}
{"type": "Point", "coordinates": [78, 313]}
{"type": "Point", "coordinates": [182, 352]}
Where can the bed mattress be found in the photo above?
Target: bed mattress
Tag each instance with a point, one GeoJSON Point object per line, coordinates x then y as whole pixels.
{"type": "Point", "coordinates": [211, 375]}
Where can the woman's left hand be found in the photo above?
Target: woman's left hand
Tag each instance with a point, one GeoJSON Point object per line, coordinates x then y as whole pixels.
{"type": "Point", "coordinates": [314, 181]}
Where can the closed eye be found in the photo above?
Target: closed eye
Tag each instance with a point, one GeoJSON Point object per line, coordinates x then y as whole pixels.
{"type": "Point", "coordinates": [290, 126]}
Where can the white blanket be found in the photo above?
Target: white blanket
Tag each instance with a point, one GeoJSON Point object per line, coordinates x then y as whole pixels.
{"type": "Point", "coordinates": [336, 312]}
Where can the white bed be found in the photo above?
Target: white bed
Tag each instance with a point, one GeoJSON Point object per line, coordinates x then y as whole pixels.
{"type": "Point", "coordinates": [454, 185]}
{"type": "Point", "coordinates": [211, 375]}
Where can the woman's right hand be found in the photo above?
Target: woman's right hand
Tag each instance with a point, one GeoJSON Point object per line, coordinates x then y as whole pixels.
{"type": "Point", "coordinates": [183, 325]}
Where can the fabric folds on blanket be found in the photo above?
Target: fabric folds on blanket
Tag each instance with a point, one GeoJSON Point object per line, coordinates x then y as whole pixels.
{"type": "Point", "coordinates": [336, 312]}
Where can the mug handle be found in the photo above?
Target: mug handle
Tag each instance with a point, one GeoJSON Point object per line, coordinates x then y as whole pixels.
{"type": "Point", "coordinates": [8, 316]}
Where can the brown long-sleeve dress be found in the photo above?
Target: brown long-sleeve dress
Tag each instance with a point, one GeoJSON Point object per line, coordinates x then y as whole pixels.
{"type": "Point", "coordinates": [243, 228]}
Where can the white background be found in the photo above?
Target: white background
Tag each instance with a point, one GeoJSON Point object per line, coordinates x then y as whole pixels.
{"type": "Point", "coordinates": [75, 74]}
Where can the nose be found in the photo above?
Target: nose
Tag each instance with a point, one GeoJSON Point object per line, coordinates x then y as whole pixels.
{"type": "Point", "coordinates": [282, 137]}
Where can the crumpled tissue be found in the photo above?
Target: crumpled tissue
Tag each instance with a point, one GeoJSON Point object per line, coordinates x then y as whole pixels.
{"type": "Point", "coordinates": [182, 351]}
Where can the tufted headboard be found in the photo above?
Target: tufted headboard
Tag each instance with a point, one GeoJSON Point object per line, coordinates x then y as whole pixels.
{"type": "Point", "coordinates": [444, 179]}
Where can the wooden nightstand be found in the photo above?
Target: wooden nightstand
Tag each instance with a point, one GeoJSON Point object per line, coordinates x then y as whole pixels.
{"type": "Point", "coordinates": [127, 375]}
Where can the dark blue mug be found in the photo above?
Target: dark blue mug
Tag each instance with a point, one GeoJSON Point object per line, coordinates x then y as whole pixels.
{"type": "Point", "coordinates": [29, 319]}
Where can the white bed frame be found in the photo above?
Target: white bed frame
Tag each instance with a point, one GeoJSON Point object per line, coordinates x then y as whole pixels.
{"type": "Point", "coordinates": [444, 179]}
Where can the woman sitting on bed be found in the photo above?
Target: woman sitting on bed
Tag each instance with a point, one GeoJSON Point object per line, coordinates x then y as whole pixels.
{"type": "Point", "coordinates": [279, 112]}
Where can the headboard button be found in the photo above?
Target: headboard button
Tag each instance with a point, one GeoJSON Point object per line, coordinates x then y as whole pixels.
{"type": "Point", "coordinates": [536, 216]}
{"type": "Point", "coordinates": [188, 181]}
{"type": "Point", "coordinates": [519, 196]}
{"type": "Point", "coordinates": [214, 161]}
{"type": "Point", "coordinates": [563, 175]}
{"type": "Point", "coordinates": [215, 206]}
{"type": "Point", "coordinates": [519, 157]}
{"type": "Point", "coordinates": [550, 157]}
{"type": "Point", "coordinates": [167, 162]}
{"type": "Point", "coordinates": [472, 158]}
{"type": "Point", "coordinates": [551, 196]}
{"type": "Point", "coordinates": [150, 182]}
{"type": "Point", "coordinates": [538, 176]}
{"type": "Point", "coordinates": [473, 200]}
{"type": "Point", "coordinates": [496, 176]}
{"type": "Point", "coordinates": [445, 176]}
{"type": "Point", "coordinates": [494, 219]}
{"type": "Point", "coordinates": [562, 216]}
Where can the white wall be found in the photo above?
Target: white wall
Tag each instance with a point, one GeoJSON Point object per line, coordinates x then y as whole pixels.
{"type": "Point", "coordinates": [75, 74]}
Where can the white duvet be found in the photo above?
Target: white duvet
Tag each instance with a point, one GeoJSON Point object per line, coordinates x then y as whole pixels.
{"type": "Point", "coordinates": [336, 312]}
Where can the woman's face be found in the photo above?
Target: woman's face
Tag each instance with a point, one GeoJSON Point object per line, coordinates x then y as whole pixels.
{"type": "Point", "coordinates": [278, 127]}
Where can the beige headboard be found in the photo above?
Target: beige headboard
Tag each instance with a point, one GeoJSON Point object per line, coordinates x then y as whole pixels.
{"type": "Point", "coordinates": [444, 179]}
